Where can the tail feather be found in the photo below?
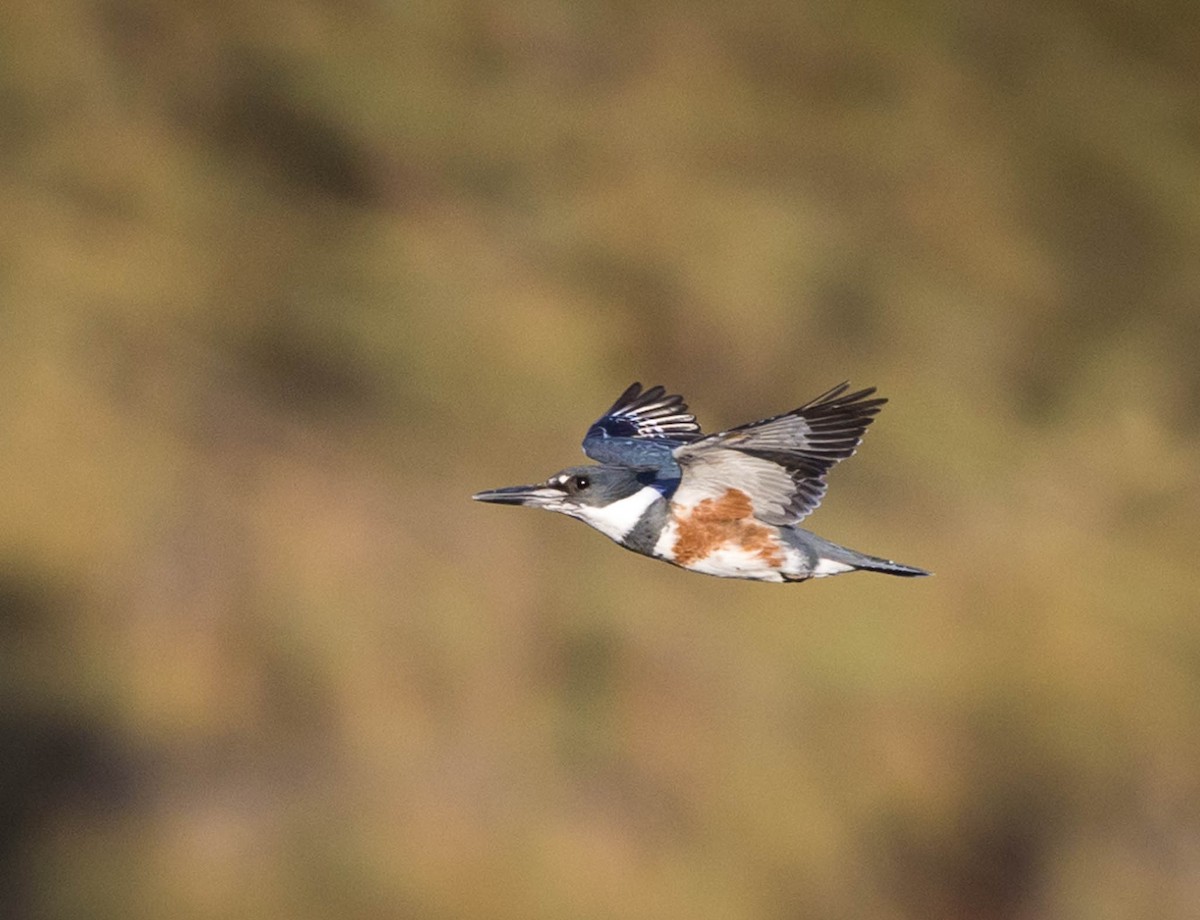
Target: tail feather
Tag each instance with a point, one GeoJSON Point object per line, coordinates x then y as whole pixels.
{"type": "Point", "coordinates": [832, 559]}
{"type": "Point", "coordinates": [874, 564]}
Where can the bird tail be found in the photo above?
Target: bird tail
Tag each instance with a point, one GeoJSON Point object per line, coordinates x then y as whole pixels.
{"type": "Point", "coordinates": [875, 564]}
{"type": "Point", "coordinates": [832, 559]}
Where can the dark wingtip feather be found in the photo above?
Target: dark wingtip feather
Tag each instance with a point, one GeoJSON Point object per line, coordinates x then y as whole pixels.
{"type": "Point", "coordinates": [630, 394]}
{"type": "Point", "coordinates": [636, 400]}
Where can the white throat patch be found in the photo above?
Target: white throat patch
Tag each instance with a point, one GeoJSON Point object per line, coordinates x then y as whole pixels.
{"type": "Point", "coordinates": [616, 520]}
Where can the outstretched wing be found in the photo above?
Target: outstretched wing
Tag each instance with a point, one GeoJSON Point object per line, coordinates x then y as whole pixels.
{"type": "Point", "coordinates": [641, 428]}
{"type": "Point", "coordinates": [780, 462]}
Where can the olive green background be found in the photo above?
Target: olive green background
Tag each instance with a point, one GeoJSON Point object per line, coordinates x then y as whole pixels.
{"type": "Point", "coordinates": [283, 283]}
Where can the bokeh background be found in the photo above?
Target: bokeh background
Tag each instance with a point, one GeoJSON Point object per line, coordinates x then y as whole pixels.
{"type": "Point", "coordinates": [282, 283]}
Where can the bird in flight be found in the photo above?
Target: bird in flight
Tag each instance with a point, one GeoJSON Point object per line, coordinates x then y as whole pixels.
{"type": "Point", "coordinates": [725, 504]}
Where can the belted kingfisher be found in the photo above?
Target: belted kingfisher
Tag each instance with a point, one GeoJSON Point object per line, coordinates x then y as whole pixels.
{"type": "Point", "coordinates": [724, 504]}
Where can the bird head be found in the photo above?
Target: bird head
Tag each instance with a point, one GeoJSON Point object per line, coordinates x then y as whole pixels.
{"type": "Point", "coordinates": [609, 498]}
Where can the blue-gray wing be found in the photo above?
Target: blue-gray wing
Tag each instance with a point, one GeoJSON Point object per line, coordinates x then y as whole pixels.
{"type": "Point", "coordinates": [641, 428]}
{"type": "Point", "coordinates": [780, 463]}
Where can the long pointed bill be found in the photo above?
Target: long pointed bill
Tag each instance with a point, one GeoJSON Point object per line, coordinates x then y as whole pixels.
{"type": "Point", "coordinates": [532, 496]}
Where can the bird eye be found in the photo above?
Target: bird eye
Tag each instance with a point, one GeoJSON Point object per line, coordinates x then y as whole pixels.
{"type": "Point", "coordinates": [570, 484]}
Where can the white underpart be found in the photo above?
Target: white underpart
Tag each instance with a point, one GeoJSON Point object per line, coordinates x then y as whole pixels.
{"type": "Point", "coordinates": [731, 561]}
{"type": "Point", "coordinates": [735, 562]}
{"type": "Point", "coordinates": [830, 567]}
{"type": "Point", "coordinates": [615, 520]}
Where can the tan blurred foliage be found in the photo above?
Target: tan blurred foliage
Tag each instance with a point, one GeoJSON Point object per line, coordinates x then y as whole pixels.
{"type": "Point", "coordinates": [281, 284]}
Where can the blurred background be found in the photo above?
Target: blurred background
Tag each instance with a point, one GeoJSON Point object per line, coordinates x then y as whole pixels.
{"type": "Point", "coordinates": [283, 283]}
